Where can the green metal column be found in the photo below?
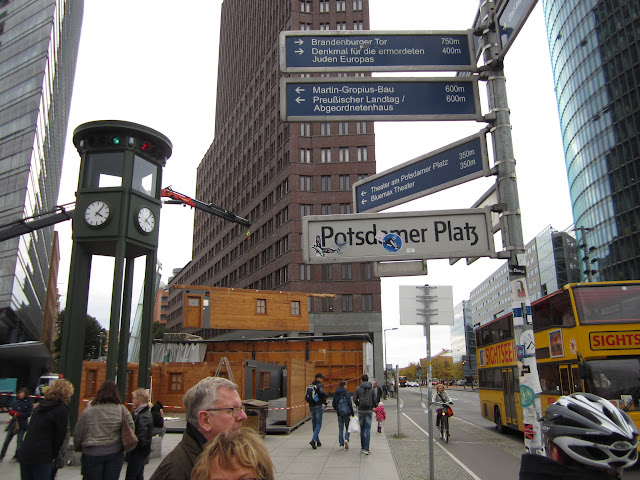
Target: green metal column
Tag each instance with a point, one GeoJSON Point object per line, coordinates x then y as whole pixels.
{"type": "Point", "coordinates": [146, 330]}
{"type": "Point", "coordinates": [125, 322]}
{"type": "Point", "coordinates": [116, 302]}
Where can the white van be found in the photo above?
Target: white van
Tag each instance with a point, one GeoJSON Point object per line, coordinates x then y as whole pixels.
{"type": "Point", "coordinates": [46, 380]}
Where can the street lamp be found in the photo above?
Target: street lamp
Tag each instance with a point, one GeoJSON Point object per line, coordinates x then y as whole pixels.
{"type": "Point", "coordinates": [385, 351]}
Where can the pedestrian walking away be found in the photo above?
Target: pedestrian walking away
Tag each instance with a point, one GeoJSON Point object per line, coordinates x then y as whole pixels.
{"type": "Point", "coordinates": [137, 458]}
{"type": "Point", "coordinates": [212, 406]}
{"type": "Point", "coordinates": [44, 442]}
{"type": "Point", "coordinates": [365, 398]}
{"type": "Point", "coordinates": [317, 399]}
{"type": "Point", "coordinates": [343, 406]}
{"type": "Point", "coordinates": [381, 415]}
{"type": "Point", "coordinates": [20, 412]}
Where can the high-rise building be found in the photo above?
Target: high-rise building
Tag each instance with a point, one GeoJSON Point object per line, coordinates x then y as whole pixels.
{"type": "Point", "coordinates": [274, 173]}
{"type": "Point", "coordinates": [463, 340]}
{"type": "Point", "coordinates": [38, 51]}
{"type": "Point", "coordinates": [595, 55]}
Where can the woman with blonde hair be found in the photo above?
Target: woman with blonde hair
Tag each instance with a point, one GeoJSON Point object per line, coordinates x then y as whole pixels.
{"type": "Point", "coordinates": [143, 421]}
{"type": "Point", "coordinates": [98, 434]}
{"type": "Point", "coordinates": [46, 432]}
{"type": "Point", "coordinates": [234, 454]}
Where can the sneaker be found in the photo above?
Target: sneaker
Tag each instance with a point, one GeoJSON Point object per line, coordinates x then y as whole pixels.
{"type": "Point", "coordinates": [366, 452]}
{"type": "Point", "coordinates": [313, 444]}
{"type": "Point", "coordinates": [346, 444]}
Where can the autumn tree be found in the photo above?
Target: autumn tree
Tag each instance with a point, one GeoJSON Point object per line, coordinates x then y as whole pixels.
{"type": "Point", "coordinates": [95, 339]}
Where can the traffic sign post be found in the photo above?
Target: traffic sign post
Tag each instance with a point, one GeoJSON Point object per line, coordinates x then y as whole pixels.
{"type": "Point", "coordinates": [373, 98]}
{"type": "Point", "coordinates": [369, 51]}
{"type": "Point", "coordinates": [366, 237]}
{"type": "Point", "coordinates": [510, 19]}
{"type": "Point", "coordinates": [454, 164]}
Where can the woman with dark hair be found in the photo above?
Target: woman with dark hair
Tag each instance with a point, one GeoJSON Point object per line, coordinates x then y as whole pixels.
{"type": "Point", "coordinates": [20, 413]}
{"type": "Point", "coordinates": [46, 433]}
{"type": "Point", "coordinates": [98, 434]}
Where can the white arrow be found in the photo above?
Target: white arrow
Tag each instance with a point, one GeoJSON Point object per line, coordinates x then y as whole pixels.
{"type": "Point", "coordinates": [363, 201]}
{"type": "Point", "coordinates": [299, 90]}
{"type": "Point", "coordinates": [362, 193]}
{"type": "Point", "coordinates": [299, 99]}
{"type": "Point", "coordinates": [299, 51]}
{"type": "Point", "coordinates": [299, 41]}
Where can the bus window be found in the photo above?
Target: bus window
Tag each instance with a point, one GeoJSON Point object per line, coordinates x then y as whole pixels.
{"type": "Point", "coordinates": [549, 378]}
{"type": "Point", "coordinates": [577, 382]}
{"type": "Point", "coordinates": [565, 385]}
{"type": "Point", "coordinates": [607, 304]}
{"type": "Point", "coordinates": [613, 378]}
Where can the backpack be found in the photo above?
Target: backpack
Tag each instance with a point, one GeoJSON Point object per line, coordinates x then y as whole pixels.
{"type": "Point", "coordinates": [344, 409]}
{"type": "Point", "coordinates": [366, 399]}
{"type": "Point", "coordinates": [312, 394]}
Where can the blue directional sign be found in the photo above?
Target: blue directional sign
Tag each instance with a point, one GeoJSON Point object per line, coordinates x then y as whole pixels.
{"type": "Point", "coordinates": [446, 167]}
{"type": "Point", "coordinates": [339, 51]}
{"type": "Point", "coordinates": [372, 98]}
{"type": "Point", "coordinates": [511, 18]}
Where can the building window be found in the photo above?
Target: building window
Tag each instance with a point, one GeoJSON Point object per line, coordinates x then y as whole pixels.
{"type": "Point", "coordinates": [345, 182]}
{"type": "Point", "coordinates": [305, 129]}
{"type": "Point", "coordinates": [347, 303]}
{"type": "Point", "coordinates": [325, 155]}
{"type": "Point", "coordinates": [362, 154]}
{"type": "Point", "coordinates": [305, 26]}
{"type": "Point", "coordinates": [345, 208]}
{"type": "Point", "coordinates": [341, 5]}
{"type": "Point", "coordinates": [367, 302]}
{"type": "Point", "coordinates": [366, 271]}
{"type": "Point", "coordinates": [344, 154]}
{"type": "Point", "coordinates": [340, 26]}
{"type": "Point", "coordinates": [305, 183]}
{"type": "Point", "coordinates": [305, 210]}
{"type": "Point", "coordinates": [325, 209]}
{"type": "Point", "coordinates": [325, 129]}
{"type": "Point", "coordinates": [305, 272]}
{"type": "Point", "coordinates": [325, 26]}
{"type": "Point", "coordinates": [305, 6]}
{"type": "Point", "coordinates": [91, 382]}
{"type": "Point", "coordinates": [325, 182]}
{"type": "Point", "coordinates": [305, 155]}
{"type": "Point", "coordinates": [176, 382]}
{"type": "Point", "coordinates": [346, 271]}
{"type": "Point", "coordinates": [324, 6]}
{"type": "Point", "coordinates": [295, 308]}
{"type": "Point", "coordinates": [261, 306]}
{"type": "Point", "coordinates": [265, 380]}
{"type": "Point", "coordinates": [357, 5]}
{"type": "Point", "coordinates": [358, 25]}
{"type": "Point", "coordinates": [343, 128]}
{"type": "Point", "coordinates": [327, 273]}
{"type": "Point", "coordinates": [327, 304]}
{"type": "Point", "coordinates": [361, 127]}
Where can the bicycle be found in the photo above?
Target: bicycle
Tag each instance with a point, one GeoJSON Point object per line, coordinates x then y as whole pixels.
{"type": "Point", "coordinates": [444, 419]}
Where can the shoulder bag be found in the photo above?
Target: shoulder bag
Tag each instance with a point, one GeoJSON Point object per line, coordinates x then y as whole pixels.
{"type": "Point", "coordinates": [129, 439]}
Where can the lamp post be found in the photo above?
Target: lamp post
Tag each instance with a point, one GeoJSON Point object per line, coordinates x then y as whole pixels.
{"type": "Point", "coordinates": [385, 351]}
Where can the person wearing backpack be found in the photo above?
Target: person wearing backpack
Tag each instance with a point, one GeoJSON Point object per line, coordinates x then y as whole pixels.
{"type": "Point", "coordinates": [317, 398]}
{"type": "Point", "coordinates": [365, 398]}
{"type": "Point", "coordinates": [344, 408]}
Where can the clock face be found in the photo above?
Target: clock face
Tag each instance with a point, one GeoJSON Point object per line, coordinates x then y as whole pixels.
{"type": "Point", "coordinates": [146, 220]}
{"type": "Point", "coordinates": [97, 213]}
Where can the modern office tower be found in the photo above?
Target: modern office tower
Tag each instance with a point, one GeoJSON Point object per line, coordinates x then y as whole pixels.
{"type": "Point", "coordinates": [463, 340]}
{"type": "Point", "coordinates": [595, 54]}
{"type": "Point", "coordinates": [38, 51]}
{"type": "Point", "coordinates": [551, 261]}
{"type": "Point", "coordinates": [274, 173]}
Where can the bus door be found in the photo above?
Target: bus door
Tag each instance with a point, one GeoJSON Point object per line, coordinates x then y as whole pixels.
{"type": "Point", "coordinates": [509, 387]}
{"type": "Point", "coordinates": [570, 381]}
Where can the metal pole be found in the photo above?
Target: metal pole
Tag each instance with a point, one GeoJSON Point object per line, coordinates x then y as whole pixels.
{"type": "Point", "coordinates": [397, 389]}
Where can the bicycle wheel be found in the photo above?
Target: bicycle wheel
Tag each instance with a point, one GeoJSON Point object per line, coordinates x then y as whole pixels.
{"type": "Point", "coordinates": [445, 419]}
{"type": "Point", "coordinates": [442, 427]}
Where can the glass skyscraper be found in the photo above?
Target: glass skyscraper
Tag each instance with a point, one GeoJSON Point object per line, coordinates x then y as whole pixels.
{"type": "Point", "coordinates": [595, 54]}
{"type": "Point", "coordinates": [38, 51]}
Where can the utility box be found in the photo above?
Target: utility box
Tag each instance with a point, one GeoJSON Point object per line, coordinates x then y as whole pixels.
{"type": "Point", "coordinates": [256, 411]}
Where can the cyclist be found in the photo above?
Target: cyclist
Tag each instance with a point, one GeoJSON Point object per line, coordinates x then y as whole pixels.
{"type": "Point", "coordinates": [586, 437]}
{"type": "Point", "coordinates": [440, 396]}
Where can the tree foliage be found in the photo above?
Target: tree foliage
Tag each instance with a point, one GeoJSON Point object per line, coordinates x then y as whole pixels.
{"type": "Point", "coordinates": [95, 339]}
{"type": "Point", "coordinates": [159, 330]}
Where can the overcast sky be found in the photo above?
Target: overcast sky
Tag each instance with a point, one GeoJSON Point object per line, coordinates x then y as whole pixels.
{"type": "Point", "coordinates": [151, 63]}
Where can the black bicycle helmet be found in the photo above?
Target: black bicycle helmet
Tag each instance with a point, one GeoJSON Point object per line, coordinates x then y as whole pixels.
{"type": "Point", "coordinates": [592, 431]}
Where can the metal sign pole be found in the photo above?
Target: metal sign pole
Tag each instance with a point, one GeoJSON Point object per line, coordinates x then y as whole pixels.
{"type": "Point", "coordinates": [426, 313]}
{"type": "Point", "coordinates": [397, 389]}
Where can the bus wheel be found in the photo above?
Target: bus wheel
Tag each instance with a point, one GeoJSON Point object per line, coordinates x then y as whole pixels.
{"type": "Point", "coordinates": [497, 418]}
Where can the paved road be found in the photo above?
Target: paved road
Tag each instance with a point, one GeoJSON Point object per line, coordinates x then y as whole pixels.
{"type": "Point", "coordinates": [475, 450]}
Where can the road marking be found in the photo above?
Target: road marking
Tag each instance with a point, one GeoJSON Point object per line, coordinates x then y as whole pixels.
{"type": "Point", "coordinates": [453, 457]}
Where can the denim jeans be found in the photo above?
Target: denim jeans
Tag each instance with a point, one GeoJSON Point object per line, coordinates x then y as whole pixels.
{"type": "Point", "coordinates": [316, 421]}
{"type": "Point", "coordinates": [343, 429]}
{"type": "Point", "coordinates": [135, 466]}
{"type": "Point", "coordinates": [102, 467]}
{"type": "Point", "coordinates": [365, 429]}
{"type": "Point", "coordinates": [35, 471]}
{"type": "Point", "coordinates": [7, 441]}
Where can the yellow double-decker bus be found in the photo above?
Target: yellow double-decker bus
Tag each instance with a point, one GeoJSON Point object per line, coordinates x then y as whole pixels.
{"type": "Point", "coordinates": [587, 339]}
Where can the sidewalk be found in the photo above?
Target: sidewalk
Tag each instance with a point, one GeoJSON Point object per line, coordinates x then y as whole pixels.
{"type": "Point", "coordinates": [292, 455]}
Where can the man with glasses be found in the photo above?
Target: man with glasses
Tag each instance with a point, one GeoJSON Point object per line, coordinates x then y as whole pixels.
{"type": "Point", "coordinates": [212, 406]}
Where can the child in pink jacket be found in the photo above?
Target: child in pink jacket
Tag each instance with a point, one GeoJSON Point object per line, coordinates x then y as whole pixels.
{"type": "Point", "coordinates": [381, 415]}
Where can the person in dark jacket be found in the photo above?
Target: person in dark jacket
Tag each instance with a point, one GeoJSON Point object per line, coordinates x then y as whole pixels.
{"type": "Point", "coordinates": [20, 413]}
{"type": "Point", "coordinates": [158, 419]}
{"type": "Point", "coordinates": [365, 412]}
{"type": "Point", "coordinates": [316, 409]}
{"type": "Point", "coordinates": [143, 421]}
{"type": "Point", "coordinates": [343, 416]}
{"type": "Point", "coordinates": [212, 406]}
{"type": "Point", "coordinates": [46, 432]}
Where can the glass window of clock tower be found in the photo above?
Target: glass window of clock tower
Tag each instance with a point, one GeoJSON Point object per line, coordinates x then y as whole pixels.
{"type": "Point", "coordinates": [144, 178]}
{"type": "Point", "coordinates": [103, 170]}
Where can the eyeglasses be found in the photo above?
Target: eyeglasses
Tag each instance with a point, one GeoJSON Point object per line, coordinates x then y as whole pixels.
{"type": "Point", "coordinates": [235, 411]}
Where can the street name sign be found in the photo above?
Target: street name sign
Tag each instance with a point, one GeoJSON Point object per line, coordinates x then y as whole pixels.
{"type": "Point", "coordinates": [366, 237]}
{"type": "Point", "coordinates": [511, 18]}
{"type": "Point", "coordinates": [454, 164]}
{"type": "Point", "coordinates": [363, 51]}
{"type": "Point", "coordinates": [373, 98]}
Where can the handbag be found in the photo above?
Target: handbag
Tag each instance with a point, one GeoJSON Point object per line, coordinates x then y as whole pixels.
{"type": "Point", "coordinates": [354, 425]}
{"type": "Point", "coordinates": [129, 439]}
{"type": "Point", "coordinates": [15, 426]}
{"type": "Point", "coordinates": [449, 411]}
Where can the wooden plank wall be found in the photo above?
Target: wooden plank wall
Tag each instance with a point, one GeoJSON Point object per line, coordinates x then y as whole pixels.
{"type": "Point", "coordinates": [299, 377]}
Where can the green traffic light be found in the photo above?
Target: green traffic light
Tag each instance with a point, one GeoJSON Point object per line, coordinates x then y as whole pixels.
{"type": "Point", "coordinates": [115, 140]}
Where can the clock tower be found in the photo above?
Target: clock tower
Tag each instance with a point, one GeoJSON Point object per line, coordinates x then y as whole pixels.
{"type": "Point", "coordinates": [117, 215]}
